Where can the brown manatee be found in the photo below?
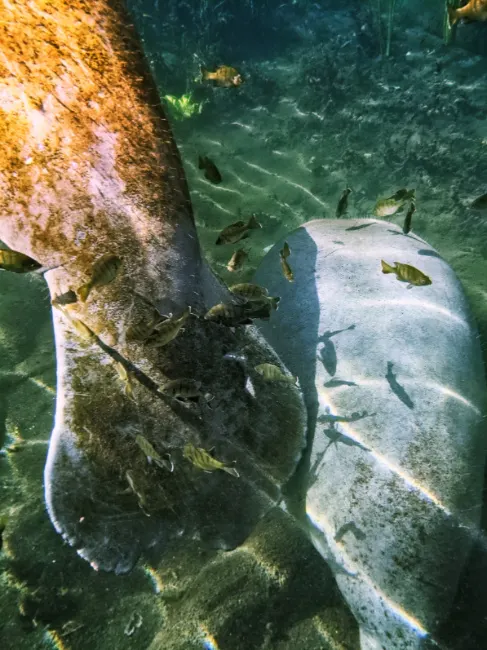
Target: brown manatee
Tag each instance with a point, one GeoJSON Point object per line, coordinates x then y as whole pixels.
{"type": "Point", "coordinates": [89, 171]}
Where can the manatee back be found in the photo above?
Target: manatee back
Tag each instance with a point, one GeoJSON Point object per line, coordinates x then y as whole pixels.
{"type": "Point", "coordinates": [395, 387]}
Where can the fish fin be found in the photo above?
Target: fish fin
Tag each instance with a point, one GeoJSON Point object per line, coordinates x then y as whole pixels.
{"type": "Point", "coordinates": [84, 292]}
{"type": "Point", "coordinates": [201, 162]}
{"type": "Point", "coordinates": [410, 286]}
{"type": "Point", "coordinates": [253, 223]}
{"type": "Point", "coordinates": [387, 268]}
{"type": "Point", "coordinates": [232, 471]}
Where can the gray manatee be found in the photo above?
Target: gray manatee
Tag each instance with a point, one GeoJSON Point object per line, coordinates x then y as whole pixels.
{"type": "Point", "coordinates": [89, 168]}
{"type": "Point", "coordinates": [390, 488]}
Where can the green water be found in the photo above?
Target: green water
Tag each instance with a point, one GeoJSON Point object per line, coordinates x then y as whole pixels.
{"type": "Point", "coordinates": [320, 112]}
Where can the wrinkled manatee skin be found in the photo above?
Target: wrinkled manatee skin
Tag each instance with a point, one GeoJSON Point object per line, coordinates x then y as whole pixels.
{"type": "Point", "coordinates": [89, 167]}
{"type": "Point", "coordinates": [394, 383]}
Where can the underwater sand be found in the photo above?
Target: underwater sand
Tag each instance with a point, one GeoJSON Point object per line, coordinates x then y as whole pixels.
{"type": "Point", "coordinates": [286, 147]}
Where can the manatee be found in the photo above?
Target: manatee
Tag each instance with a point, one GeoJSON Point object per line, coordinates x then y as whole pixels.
{"type": "Point", "coordinates": [90, 169]}
{"type": "Point", "coordinates": [390, 487]}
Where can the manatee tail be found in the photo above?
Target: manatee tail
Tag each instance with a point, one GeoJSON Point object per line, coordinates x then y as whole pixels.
{"type": "Point", "coordinates": [387, 268]}
{"type": "Point", "coordinates": [84, 291]}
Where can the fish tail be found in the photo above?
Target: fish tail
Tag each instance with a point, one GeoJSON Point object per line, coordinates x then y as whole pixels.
{"type": "Point", "coordinates": [275, 302]}
{"type": "Point", "coordinates": [387, 268]}
{"type": "Point", "coordinates": [253, 223]}
{"type": "Point", "coordinates": [232, 471]}
{"type": "Point", "coordinates": [84, 292]}
{"type": "Point", "coordinates": [204, 73]}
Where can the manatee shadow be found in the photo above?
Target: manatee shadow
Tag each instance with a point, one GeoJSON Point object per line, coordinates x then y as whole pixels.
{"type": "Point", "coordinates": [328, 355]}
{"type": "Point", "coordinates": [335, 437]}
{"type": "Point", "coordinates": [428, 253]}
{"type": "Point", "coordinates": [403, 234]}
{"type": "Point", "coordinates": [335, 383]}
{"type": "Point", "coordinates": [363, 225]}
{"type": "Point", "coordinates": [396, 387]}
{"type": "Point", "coordinates": [354, 417]}
{"type": "Point", "coordinates": [298, 353]}
{"type": "Point", "coordinates": [466, 625]}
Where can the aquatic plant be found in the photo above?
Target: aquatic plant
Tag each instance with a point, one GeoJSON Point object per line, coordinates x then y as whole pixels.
{"type": "Point", "coordinates": [390, 18]}
{"type": "Point", "coordinates": [390, 21]}
{"type": "Point", "coordinates": [449, 31]}
{"type": "Point", "coordinates": [183, 107]}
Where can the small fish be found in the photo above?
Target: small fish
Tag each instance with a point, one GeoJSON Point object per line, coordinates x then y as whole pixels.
{"type": "Point", "coordinates": [270, 372]}
{"type": "Point", "coordinates": [475, 10]}
{"type": "Point", "coordinates": [249, 291]}
{"type": "Point", "coordinates": [17, 262]}
{"type": "Point", "coordinates": [388, 207]}
{"type": "Point", "coordinates": [202, 459]}
{"type": "Point", "coordinates": [152, 455]}
{"type": "Point", "coordinates": [228, 314]}
{"type": "Point", "coordinates": [138, 493]}
{"type": "Point", "coordinates": [254, 293]}
{"type": "Point", "coordinates": [480, 203]}
{"type": "Point", "coordinates": [83, 330]}
{"type": "Point", "coordinates": [66, 298]}
{"type": "Point", "coordinates": [342, 206]}
{"type": "Point", "coordinates": [409, 216]}
{"type": "Point", "coordinates": [237, 231]}
{"type": "Point", "coordinates": [237, 260]}
{"type": "Point", "coordinates": [104, 271]}
{"type": "Point", "coordinates": [211, 170]}
{"type": "Point", "coordinates": [261, 308]}
{"type": "Point", "coordinates": [168, 329]}
{"type": "Point", "coordinates": [141, 330]}
{"type": "Point", "coordinates": [126, 379]}
{"type": "Point", "coordinates": [286, 269]}
{"type": "Point", "coordinates": [224, 76]}
{"type": "Point", "coordinates": [182, 388]}
{"type": "Point", "coordinates": [407, 273]}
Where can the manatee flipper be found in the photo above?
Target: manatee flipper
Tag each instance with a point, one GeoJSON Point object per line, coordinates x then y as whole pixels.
{"type": "Point", "coordinates": [93, 447]}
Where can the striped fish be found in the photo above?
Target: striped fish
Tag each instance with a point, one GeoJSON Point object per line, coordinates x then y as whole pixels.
{"type": "Point", "coordinates": [152, 455]}
{"type": "Point", "coordinates": [202, 459]}
{"type": "Point", "coordinates": [104, 271]}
